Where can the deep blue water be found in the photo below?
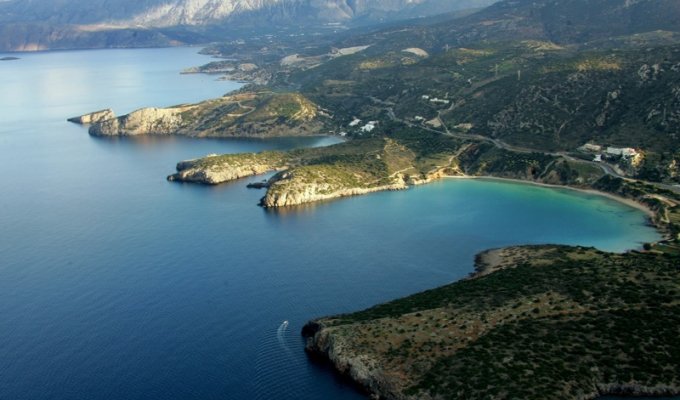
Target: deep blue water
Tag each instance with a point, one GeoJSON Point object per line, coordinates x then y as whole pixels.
{"type": "Point", "coordinates": [115, 284]}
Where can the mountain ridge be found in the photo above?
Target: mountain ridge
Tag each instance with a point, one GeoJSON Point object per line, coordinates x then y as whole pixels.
{"type": "Point", "coordinates": [62, 24]}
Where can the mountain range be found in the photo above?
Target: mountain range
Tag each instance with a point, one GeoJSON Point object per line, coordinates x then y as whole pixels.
{"type": "Point", "coordinates": [56, 24]}
{"type": "Point", "coordinates": [559, 21]}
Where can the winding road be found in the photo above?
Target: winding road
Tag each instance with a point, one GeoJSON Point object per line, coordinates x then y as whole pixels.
{"type": "Point", "coordinates": [606, 168]}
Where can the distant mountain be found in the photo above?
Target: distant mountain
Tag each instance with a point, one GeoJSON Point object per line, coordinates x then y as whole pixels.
{"type": "Point", "coordinates": [48, 24]}
{"type": "Point", "coordinates": [557, 21]}
{"type": "Point", "coordinates": [578, 21]}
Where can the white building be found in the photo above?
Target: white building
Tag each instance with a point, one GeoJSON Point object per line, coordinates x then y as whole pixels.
{"type": "Point", "coordinates": [621, 151]}
{"type": "Point", "coordinates": [440, 101]}
{"type": "Point", "coordinates": [369, 126]}
{"type": "Point", "coordinates": [356, 122]}
{"type": "Point", "coordinates": [595, 148]}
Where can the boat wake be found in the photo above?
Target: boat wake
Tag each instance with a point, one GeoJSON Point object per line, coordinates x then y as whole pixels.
{"type": "Point", "coordinates": [281, 336]}
{"type": "Point", "coordinates": [277, 366]}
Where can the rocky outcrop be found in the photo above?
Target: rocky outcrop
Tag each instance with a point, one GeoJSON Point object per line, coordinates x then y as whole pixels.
{"type": "Point", "coordinates": [324, 344]}
{"type": "Point", "coordinates": [217, 174]}
{"type": "Point", "coordinates": [146, 121]}
{"type": "Point", "coordinates": [214, 169]}
{"type": "Point", "coordinates": [313, 192]}
{"type": "Point", "coordinates": [93, 117]}
{"type": "Point", "coordinates": [361, 369]}
{"type": "Point", "coordinates": [285, 189]}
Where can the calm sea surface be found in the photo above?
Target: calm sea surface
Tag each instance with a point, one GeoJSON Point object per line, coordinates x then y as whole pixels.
{"type": "Point", "coordinates": [115, 284]}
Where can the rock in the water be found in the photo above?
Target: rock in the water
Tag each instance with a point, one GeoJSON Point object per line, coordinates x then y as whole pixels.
{"type": "Point", "coordinates": [93, 117]}
{"type": "Point", "coordinates": [258, 185]}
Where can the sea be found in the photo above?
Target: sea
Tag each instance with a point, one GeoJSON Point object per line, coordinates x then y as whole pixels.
{"type": "Point", "coordinates": [116, 284]}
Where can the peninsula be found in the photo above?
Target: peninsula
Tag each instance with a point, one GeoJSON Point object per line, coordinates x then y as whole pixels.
{"type": "Point", "coordinates": [252, 114]}
{"type": "Point", "coordinates": [549, 322]}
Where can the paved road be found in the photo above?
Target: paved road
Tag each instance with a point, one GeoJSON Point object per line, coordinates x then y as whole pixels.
{"type": "Point", "coordinates": [606, 168]}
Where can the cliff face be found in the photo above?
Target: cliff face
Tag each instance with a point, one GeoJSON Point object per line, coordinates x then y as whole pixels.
{"type": "Point", "coordinates": [214, 169]}
{"type": "Point", "coordinates": [146, 121]}
{"type": "Point", "coordinates": [361, 369]}
{"type": "Point", "coordinates": [216, 176]}
{"type": "Point", "coordinates": [288, 189]}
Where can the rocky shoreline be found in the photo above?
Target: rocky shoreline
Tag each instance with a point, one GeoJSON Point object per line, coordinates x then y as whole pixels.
{"type": "Point", "coordinates": [214, 169]}
{"type": "Point", "coordinates": [316, 174]}
{"type": "Point", "coordinates": [145, 121]}
{"type": "Point", "coordinates": [93, 117]}
{"type": "Point", "coordinates": [314, 193]}
{"type": "Point", "coordinates": [281, 189]}
{"type": "Point", "coordinates": [276, 194]}
{"type": "Point", "coordinates": [361, 371]}
{"type": "Point", "coordinates": [365, 372]}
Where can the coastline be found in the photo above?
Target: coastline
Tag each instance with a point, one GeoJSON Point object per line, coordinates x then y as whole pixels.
{"type": "Point", "coordinates": [284, 191]}
{"type": "Point", "coordinates": [323, 343]}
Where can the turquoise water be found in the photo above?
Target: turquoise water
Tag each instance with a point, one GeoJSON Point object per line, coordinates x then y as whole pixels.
{"type": "Point", "coordinates": [115, 284]}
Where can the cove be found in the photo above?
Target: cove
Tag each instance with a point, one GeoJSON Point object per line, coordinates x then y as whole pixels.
{"type": "Point", "coordinates": [115, 284]}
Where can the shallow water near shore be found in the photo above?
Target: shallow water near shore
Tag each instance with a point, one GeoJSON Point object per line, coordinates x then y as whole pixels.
{"type": "Point", "coordinates": [115, 284]}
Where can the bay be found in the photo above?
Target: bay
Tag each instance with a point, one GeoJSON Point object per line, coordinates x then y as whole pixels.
{"type": "Point", "coordinates": [115, 284]}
